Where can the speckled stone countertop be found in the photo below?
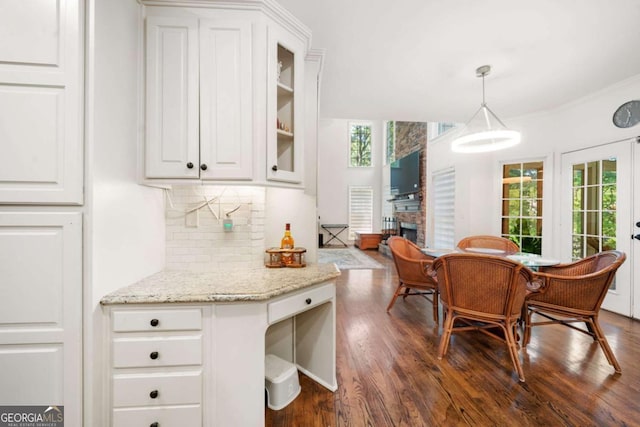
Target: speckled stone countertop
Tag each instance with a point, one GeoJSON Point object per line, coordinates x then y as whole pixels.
{"type": "Point", "coordinates": [221, 286]}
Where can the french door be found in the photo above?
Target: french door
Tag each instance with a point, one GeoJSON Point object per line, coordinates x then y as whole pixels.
{"type": "Point", "coordinates": [597, 205]}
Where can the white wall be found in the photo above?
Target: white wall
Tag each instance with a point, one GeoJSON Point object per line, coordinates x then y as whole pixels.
{"type": "Point", "coordinates": [583, 123]}
{"type": "Point", "coordinates": [297, 208]}
{"type": "Point", "coordinates": [335, 176]}
{"type": "Point", "coordinates": [124, 223]}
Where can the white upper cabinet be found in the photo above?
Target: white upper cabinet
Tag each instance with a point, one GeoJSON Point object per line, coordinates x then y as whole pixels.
{"type": "Point", "coordinates": [199, 121]}
{"type": "Point", "coordinates": [226, 122]}
{"type": "Point", "coordinates": [224, 93]}
{"type": "Point", "coordinates": [41, 156]}
{"type": "Point", "coordinates": [285, 103]}
{"type": "Point", "coordinates": [172, 149]}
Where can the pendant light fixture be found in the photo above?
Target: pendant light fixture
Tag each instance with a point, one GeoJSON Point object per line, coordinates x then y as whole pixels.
{"type": "Point", "coordinates": [485, 131]}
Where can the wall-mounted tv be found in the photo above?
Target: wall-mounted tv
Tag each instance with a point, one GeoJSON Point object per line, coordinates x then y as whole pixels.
{"type": "Point", "coordinates": [405, 175]}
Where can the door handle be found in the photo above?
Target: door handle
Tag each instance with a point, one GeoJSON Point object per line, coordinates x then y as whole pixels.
{"type": "Point", "coordinates": [637, 237]}
{"type": "Point", "coordinates": [638, 224]}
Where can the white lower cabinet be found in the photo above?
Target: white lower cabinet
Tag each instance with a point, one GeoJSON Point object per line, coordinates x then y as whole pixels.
{"type": "Point", "coordinates": [191, 365]}
{"type": "Point", "coordinates": [41, 310]}
{"type": "Point", "coordinates": [156, 365]}
{"type": "Point", "coordinates": [178, 416]}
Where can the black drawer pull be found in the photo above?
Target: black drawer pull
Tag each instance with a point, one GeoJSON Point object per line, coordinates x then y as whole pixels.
{"type": "Point", "coordinates": [154, 322]}
{"type": "Point", "coordinates": [154, 424]}
{"type": "Point", "coordinates": [308, 300]}
{"type": "Point", "coordinates": [154, 355]}
{"type": "Point", "coordinates": [153, 394]}
{"type": "Point", "coordinates": [190, 165]}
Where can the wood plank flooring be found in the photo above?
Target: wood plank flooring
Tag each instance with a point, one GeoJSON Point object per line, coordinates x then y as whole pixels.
{"type": "Point", "coordinates": [389, 375]}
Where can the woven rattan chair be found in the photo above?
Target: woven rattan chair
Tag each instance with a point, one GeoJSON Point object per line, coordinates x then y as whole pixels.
{"type": "Point", "coordinates": [413, 269]}
{"type": "Point", "coordinates": [489, 242]}
{"type": "Point", "coordinates": [484, 293]}
{"type": "Point", "coordinates": [573, 293]}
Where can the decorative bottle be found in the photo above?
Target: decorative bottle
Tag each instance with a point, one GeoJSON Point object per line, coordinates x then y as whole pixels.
{"type": "Point", "coordinates": [287, 243]}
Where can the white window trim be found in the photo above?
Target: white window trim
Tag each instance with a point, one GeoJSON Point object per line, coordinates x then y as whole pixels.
{"type": "Point", "coordinates": [547, 195]}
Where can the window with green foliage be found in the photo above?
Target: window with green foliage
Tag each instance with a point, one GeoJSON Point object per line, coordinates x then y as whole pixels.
{"type": "Point", "coordinates": [360, 145]}
{"type": "Point", "coordinates": [594, 207]}
{"type": "Point", "coordinates": [522, 205]}
{"type": "Point", "coordinates": [391, 142]}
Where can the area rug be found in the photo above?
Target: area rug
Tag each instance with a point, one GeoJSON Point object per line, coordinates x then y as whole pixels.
{"type": "Point", "coordinates": [347, 258]}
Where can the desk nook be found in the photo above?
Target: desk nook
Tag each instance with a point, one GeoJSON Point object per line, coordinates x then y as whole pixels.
{"type": "Point", "coordinates": [186, 348]}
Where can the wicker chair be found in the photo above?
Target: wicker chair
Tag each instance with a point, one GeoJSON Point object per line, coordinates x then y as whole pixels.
{"type": "Point", "coordinates": [413, 272]}
{"type": "Point", "coordinates": [482, 292]}
{"type": "Point", "coordinates": [573, 293]}
{"type": "Point", "coordinates": [490, 242]}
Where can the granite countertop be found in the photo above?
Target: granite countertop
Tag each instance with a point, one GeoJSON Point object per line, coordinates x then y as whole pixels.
{"type": "Point", "coordinates": [221, 286]}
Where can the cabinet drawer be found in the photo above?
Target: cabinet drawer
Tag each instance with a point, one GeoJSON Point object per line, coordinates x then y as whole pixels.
{"type": "Point", "coordinates": [171, 416]}
{"type": "Point", "coordinates": [157, 351]}
{"type": "Point", "coordinates": [157, 320]}
{"type": "Point", "coordinates": [178, 388]}
{"type": "Point", "coordinates": [295, 304]}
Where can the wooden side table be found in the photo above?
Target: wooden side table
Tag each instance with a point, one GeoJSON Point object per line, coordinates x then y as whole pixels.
{"type": "Point", "coordinates": [368, 240]}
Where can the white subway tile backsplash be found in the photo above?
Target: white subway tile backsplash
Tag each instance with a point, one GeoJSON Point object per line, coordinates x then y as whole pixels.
{"type": "Point", "coordinates": [203, 245]}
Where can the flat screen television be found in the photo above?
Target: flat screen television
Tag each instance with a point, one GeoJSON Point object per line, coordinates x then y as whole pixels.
{"type": "Point", "coordinates": [405, 175]}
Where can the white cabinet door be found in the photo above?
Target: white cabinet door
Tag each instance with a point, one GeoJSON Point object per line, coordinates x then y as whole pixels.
{"type": "Point", "coordinates": [41, 156]}
{"type": "Point", "coordinates": [172, 139]}
{"type": "Point", "coordinates": [225, 100]}
{"type": "Point", "coordinates": [41, 310]}
{"type": "Point", "coordinates": [285, 107]}
{"type": "Point", "coordinates": [199, 99]}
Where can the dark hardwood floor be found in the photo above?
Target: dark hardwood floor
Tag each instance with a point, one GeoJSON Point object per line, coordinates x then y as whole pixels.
{"type": "Point", "coordinates": [389, 374]}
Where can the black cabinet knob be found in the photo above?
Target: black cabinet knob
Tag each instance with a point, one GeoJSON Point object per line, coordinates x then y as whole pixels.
{"type": "Point", "coordinates": [274, 168]}
{"type": "Point", "coordinates": [203, 166]}
{"type": "Point", "coordinates": [154, 322]}
{"type": "Point", "coordinates": [637, 237]}
{"type": "Point", "coordinates": [153, 394]}
{"type": "Point", "coordinates": [154, 424]}
{"type": "Point", "coordinates": [308, 300]}
{"type": "Point", "coordinates": [154, 355]}
{"type": "Point", "coordinates": [638, 224]}
{"type": "Point", "coordinates": [190, 165]}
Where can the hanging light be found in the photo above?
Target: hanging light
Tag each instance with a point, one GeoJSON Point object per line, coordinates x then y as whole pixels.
{"type": "Point", "coordinates": [485, 131]}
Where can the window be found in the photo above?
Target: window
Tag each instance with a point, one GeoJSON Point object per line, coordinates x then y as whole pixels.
{"type": "Point", "coordinates": [522, 205]}
{"type": "Point", "coordinates": [360, 210]}
{"type": "Point", "coordinates": [360, 145]}
{"type": "Point", "coordinates": [444, 186]}
{"type": "Point", "coordinates": [438, 128]}
{"type": "Point", "coordinates": [594, 207]}
{"type": "Point", "coordinates": [391, 143]}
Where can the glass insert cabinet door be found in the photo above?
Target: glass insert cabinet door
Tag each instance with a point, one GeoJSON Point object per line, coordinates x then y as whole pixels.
{"type": "Point", "coordinates": [285, 129]}
{"type": "Point", "coordinates": [596, 211]}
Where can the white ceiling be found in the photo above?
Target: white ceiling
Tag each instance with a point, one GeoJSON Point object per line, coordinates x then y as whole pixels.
{"type": "Point", "coordinates": [415, 60]}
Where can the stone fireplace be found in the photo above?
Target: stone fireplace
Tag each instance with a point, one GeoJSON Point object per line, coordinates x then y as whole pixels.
{"type": "Point", "coordinates": [409, 211]}
{"type": "Point", "coordinates": [410, 137]}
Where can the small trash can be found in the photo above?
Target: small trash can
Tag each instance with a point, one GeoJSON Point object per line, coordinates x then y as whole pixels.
{"type": "Point", "coordinates": [281, 382]}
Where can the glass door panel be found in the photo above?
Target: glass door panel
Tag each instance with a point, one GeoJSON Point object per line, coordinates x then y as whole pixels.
{"type": "Point", "coordinates": [596, 211]}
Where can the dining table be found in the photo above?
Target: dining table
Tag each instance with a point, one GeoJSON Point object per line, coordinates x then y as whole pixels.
{"type": "Point", "coordinates": [532, 261]}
